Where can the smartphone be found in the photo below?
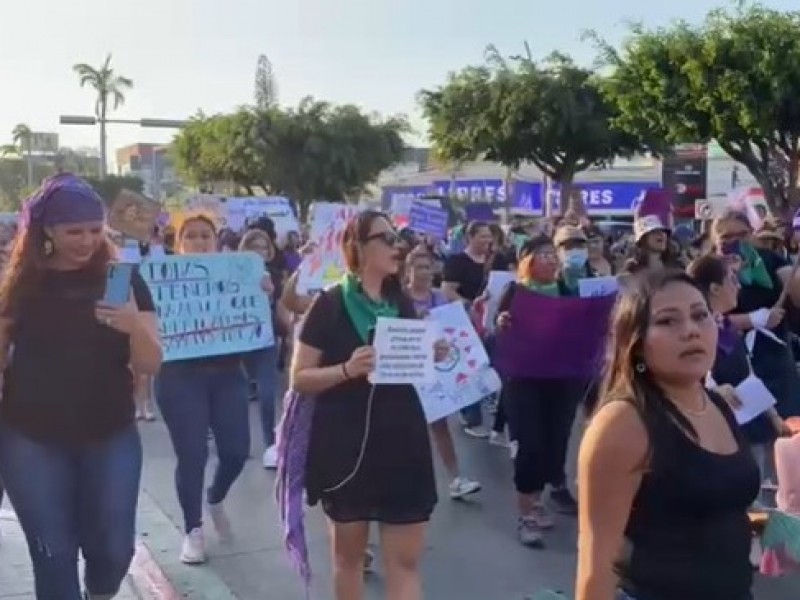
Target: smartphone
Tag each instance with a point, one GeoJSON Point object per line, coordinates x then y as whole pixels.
{"type": "Point", "coordinates": [731, 248]}
{"type": "Point", "coordinates": [118, 284]}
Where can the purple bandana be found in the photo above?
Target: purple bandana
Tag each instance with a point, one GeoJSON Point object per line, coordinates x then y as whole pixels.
{"type": "Point", "coordinates": [294, 434]}
{"type": "Point", "coordinates": [63, 199]}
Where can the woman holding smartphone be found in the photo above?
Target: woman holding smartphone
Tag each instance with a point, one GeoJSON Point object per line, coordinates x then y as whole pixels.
{"type": "Point", "coordinates": [74, 429]}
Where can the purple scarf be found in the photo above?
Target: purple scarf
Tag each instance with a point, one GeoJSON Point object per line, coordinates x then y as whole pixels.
{"type": "Point", "coordinates": [294, 434]}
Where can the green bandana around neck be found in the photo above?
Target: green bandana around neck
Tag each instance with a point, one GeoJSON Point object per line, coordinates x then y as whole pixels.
{"type": "Point", "coordinates": [753, 271]}
{"type": "Point", "coordinates": [546, 289]}
{"type": "Point", "coordinates": [362, 310]}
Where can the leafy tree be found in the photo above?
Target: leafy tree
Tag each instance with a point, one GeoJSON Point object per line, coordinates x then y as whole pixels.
{"type": "Point", "coordinates": [516, 110]}
{"type": "Point", "coordinates": [735, 79]}
{"type": "Point", "coordinates": [21, 145]}
{"type": "Point", "coordinates": [13, 181]}
{"type": "Point", "coordinates": [316, 151]}
{"type": "Point", "coordinates": [266, 93]}
{"type": "Point", "coordinates": [110, 88]}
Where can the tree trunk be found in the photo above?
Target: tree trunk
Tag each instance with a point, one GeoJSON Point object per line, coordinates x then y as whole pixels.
{"type": "Point", "coordinates": [29, 160]}
{"type": "Point", "coordinates": [565, 194]}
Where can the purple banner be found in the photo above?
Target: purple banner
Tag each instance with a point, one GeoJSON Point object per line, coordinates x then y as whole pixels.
{"type": "Point", "coordinates": [480, 211]}
{"type": "Point", "coordinates": [554, 337]}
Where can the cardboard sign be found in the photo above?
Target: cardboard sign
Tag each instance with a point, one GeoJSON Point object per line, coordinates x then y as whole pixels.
{"type": "Point", "coordinates": [134, 216]}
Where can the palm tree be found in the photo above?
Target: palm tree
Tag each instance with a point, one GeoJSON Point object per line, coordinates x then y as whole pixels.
{"type": "Point", "coordinates": [110, 88]}
{"type": "Point", "coordinates": [22, 145]}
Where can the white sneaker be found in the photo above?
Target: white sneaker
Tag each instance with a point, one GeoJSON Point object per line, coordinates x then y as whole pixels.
{"type": "Point", "coordinates": [271, 457]}
{"type": "Point", "coordinates": [461, 486]}
{"type": "Point", "coordinates": [220, 521]}
{"type": "Point", "coordinates": [193, 551]}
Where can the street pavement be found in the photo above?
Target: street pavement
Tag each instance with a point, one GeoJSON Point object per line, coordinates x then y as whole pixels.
{"type": "Point", "coordinates": [472, 552]}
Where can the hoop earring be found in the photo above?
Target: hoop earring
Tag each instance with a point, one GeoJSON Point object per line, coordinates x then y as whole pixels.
{"type": "Point", "coordinates": [47, 247]}
{"type": "Point", "coordinates": [640, 367]}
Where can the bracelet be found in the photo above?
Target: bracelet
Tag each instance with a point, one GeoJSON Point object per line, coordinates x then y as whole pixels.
{"type": "Point", "coordinates": [344, 371]}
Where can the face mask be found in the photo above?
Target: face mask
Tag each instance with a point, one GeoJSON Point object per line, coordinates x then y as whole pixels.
{"type": "Point", "coordinates": [575, 258]}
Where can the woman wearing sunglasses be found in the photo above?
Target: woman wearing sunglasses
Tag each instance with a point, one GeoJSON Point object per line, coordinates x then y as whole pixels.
{"type": "Point", "coordinates": [369, 456]}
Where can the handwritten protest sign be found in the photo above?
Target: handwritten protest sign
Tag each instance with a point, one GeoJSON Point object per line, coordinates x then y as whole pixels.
{"type": "Point", "coordinates": [591, 287]}
{"type": "Point", "coordinates": [430, 220]}
{"type": "Point", "coordinates": [404, 351]}
{"type": "Point", "coordinates": [134, 215]}
{"type": "Point", "coordinates": [554, 337]}
{"type": "Point", "coordinates": [325, 265]}
{"type": "Point", "coordinates": [209, 304]}
{"type": "Point", "coordinates": [464, 377]}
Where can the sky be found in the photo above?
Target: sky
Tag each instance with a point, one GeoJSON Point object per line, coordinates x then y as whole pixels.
{"type": "Point", "coordinates": [190, 55]}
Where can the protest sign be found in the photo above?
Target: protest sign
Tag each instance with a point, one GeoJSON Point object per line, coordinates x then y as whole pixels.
{"type": "Point", "coordinates": [430, 220]}
{"type": "Point", "coordinates": [134, 216]}
{"type": "Point", "coordinates": [554, 337]}
{"type": "Point", "coordinates": [591, 287]}
{"type": "Point", "coordinates": [498, 281]}
{"type": "Point", "coordinates": [238, 211]}
{"type": "Point", "coordinates": [209, 304]}
{"type": "Point", "coordinates": [403, 351]}
{"type": "Point", "coordinates": [464, 377]}
{"type": "Point", "coordinates": [209, 204]}
{"type": "Point", "coordinates": [325, 265]}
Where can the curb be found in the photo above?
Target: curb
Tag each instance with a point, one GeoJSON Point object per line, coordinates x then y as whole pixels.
{"type": "Point", "coordinates": [156, 572]}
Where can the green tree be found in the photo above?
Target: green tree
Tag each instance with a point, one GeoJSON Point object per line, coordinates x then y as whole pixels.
{"type": "Point", "coordinates": [110, 89]}
{"type": "Point", "coordinates": [266, 92]}
{"type": "Point", "coordinates": [516, 110]}
{"type": "Point", "coordinates": [314, 152]}
{"type": "Point", "coordinates": [735, 79]}
{"type": "Point", "coordinates": [22, 146]}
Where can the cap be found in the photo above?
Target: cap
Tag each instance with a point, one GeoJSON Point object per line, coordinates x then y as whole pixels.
{"type": "Point", "coordinates": [647, 224]}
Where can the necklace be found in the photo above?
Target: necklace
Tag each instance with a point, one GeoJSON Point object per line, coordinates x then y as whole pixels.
{"type": "Point", "coordinates": [702, 411]}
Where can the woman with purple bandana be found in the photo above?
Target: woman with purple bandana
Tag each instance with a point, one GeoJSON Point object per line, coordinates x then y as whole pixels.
{"type": "Point", "coordinates": [68, 412]}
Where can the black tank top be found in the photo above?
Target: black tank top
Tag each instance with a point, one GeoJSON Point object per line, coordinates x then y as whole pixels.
{"type": "Point", "coordinates": [688, 535]}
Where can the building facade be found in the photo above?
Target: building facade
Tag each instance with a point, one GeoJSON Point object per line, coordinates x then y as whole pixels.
{"type": "Point", "coordinates": [152, 164]}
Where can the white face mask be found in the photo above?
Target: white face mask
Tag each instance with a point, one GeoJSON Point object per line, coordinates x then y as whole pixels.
{"type": "Point", "coordinates": [575, 258]}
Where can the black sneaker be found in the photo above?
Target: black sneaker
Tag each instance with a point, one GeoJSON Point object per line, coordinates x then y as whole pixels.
{"type": "Point", "coordinates": [563, 502]}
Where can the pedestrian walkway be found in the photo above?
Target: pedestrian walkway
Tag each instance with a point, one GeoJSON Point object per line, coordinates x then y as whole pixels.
{"type": "Point", "coordinates": [16, 578]}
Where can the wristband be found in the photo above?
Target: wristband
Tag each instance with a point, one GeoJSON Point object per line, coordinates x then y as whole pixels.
{"type": "Point", "coordinates": [344, 371]}
{"type": "Point", "coordinates": [759, 318]}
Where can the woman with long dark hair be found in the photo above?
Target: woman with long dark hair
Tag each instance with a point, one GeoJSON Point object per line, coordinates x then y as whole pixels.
{"type": "Point", "coordinates": [369, 456]}
{"type": "Point", "coordinates": [665, 474]}
{"type": "Point", "coordinates": [70, 454]}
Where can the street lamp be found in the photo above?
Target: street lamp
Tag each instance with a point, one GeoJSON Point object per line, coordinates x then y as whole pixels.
{"type": "Point", "coordinates": [86, 120]}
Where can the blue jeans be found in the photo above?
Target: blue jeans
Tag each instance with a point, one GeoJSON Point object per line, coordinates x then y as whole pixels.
{"type": "Point", "coordinates": [261, 366]}
{"type": "Point", "coordinates": [75, 499]}
{"type": "Point", "coordinates": [193, 399]}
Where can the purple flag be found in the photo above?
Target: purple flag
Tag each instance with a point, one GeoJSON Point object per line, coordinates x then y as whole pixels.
{"type": "Point", "coordinates": [294, 434]}
{"type": "Point", "coordinates": [554, 337]}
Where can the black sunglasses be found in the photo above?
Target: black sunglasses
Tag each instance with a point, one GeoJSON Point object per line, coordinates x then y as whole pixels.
{"type": "Point", "coordinates": [390, 238]}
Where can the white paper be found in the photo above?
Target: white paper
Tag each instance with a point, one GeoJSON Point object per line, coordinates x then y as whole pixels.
{"type": "Point", "coordinates": [464, 377]}
{"type": "Point", "coordinates": [498, 280]}
{"type": "Point", "coordinates": [404, 351]}
{"type": "Point", "coordinates": [591, 287]}
{"type": "Point", "coordinates": [755, 398]}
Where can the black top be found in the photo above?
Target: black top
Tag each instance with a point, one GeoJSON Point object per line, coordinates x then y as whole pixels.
{"type": "Point", "coordinates": [69, 378]}
{"type": "Point", "coordinates": [470, 276]}
{"type": "Point", "coordinates": [394, 483]}
{"type": "Point", "coordinates": [688, 535]}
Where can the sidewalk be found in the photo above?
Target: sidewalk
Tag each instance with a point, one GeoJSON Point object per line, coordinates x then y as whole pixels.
{"type": "Point", "coordinates": [16, 578]}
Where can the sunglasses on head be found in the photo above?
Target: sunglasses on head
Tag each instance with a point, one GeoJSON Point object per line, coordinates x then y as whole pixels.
{"type": "Point", "coordinates": [390, 238]}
